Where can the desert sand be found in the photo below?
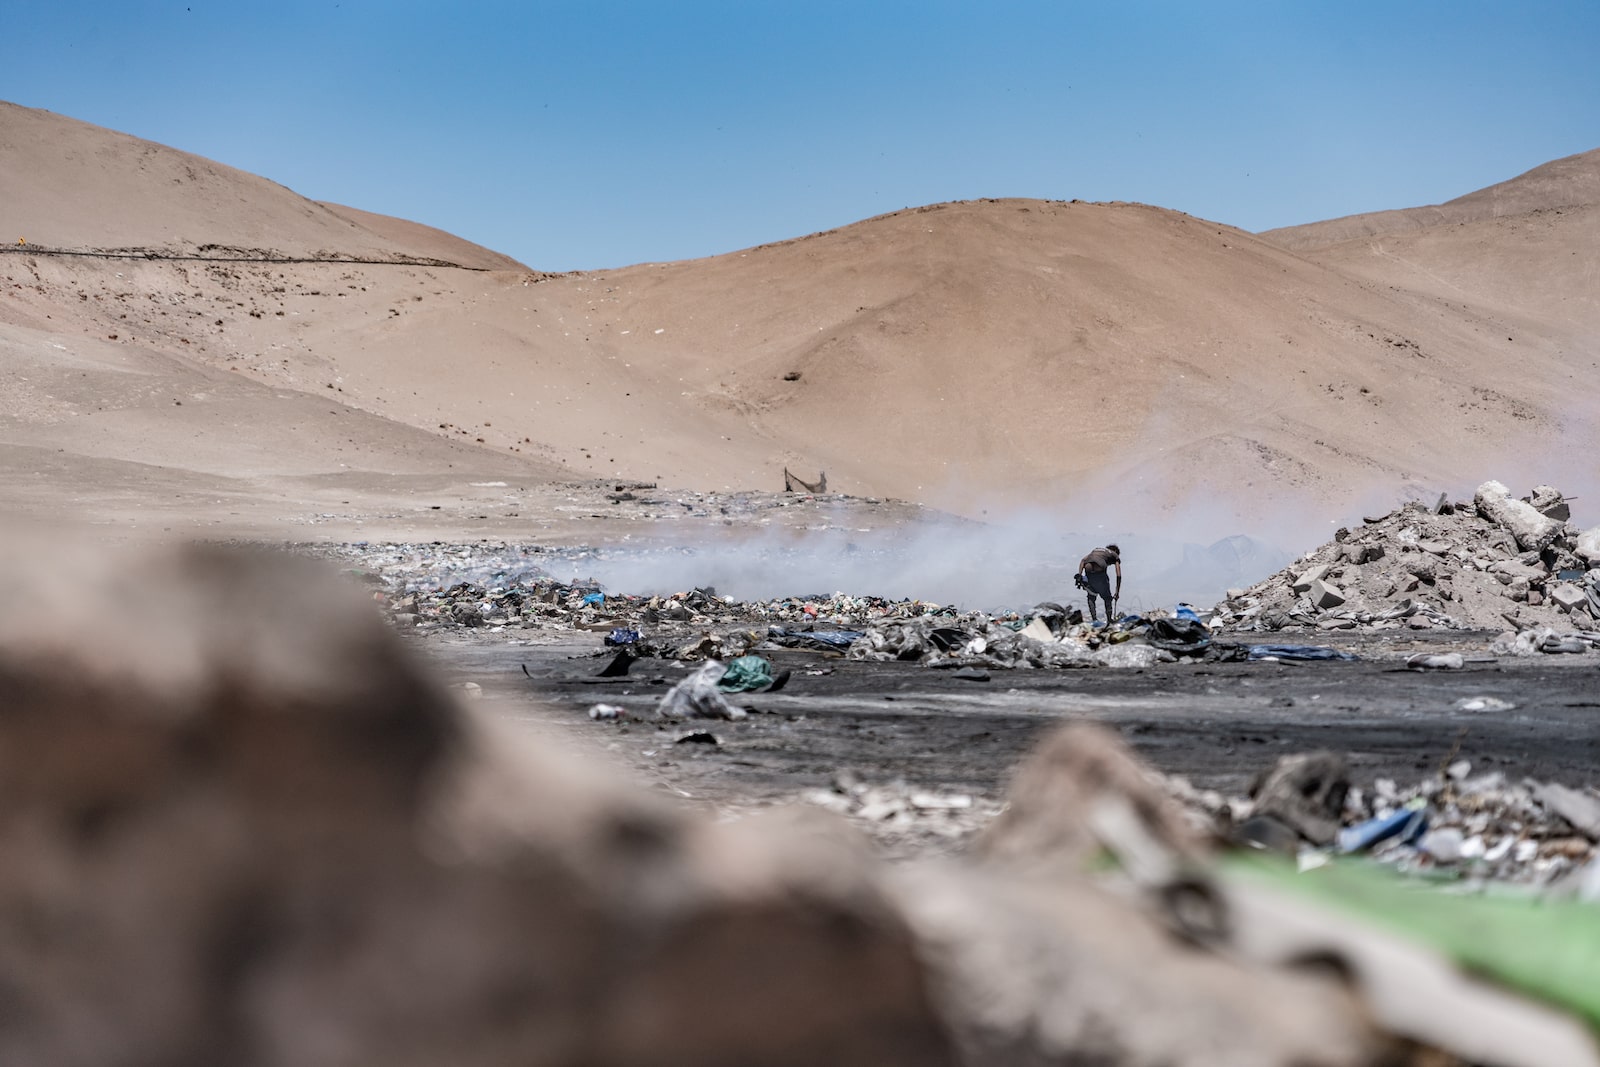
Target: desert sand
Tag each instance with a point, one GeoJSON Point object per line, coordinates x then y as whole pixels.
{"type": "Point", "coordinates": [188, 346]}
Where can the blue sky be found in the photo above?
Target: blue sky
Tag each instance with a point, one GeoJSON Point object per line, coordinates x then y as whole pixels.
{"type": "Point", "coordinates": [594, 134]}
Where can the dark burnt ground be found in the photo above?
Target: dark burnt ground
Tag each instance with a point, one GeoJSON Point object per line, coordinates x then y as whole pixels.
{"type": "Point", "coordinates": [1216, 723]}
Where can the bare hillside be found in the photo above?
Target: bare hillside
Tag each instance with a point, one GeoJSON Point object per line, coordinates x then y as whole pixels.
{"type": "Point", "coordinates": [1108, 361]}
{"type": "Point", "coordinates": [66, 184]}
{"type": "Point", "coordinates": [1568, 183]}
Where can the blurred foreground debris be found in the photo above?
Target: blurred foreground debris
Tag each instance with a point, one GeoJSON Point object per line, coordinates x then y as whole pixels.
{"type": "Point", "coordinates": [242, 825]}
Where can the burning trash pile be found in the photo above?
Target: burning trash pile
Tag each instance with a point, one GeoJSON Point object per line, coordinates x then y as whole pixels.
{"type": "Point", "coordinates": [1484, 565]}
{"type": "Point", "coordinates": [1047, 638]}
{"type": "Point", "coordinates": [496, 587]}
{"type": "Point", "coordinates": [500, 588]}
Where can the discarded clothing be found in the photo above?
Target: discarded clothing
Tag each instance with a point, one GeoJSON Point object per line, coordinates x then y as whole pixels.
{"type": "Point", "coordinates": [1185, 637]}
{"type": "Point", "coordinates": [746, 674]}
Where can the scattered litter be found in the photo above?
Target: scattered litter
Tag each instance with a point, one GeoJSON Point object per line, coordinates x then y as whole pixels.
{"type": "Point", "coordinates": [607, 712]}
{"type": "Point", "coordinates": [1404, 826]}
{"type": "Point", "coordinates": [697, 737]}
{"type": "Point", "coordinates": [1436, 661]}
{"type": "Point", "coordinates": [1484, 704]}
{"type": "Point", "coordinates": [698, 696]}
{"type": "Point", "coordinates": [746, 674]}
{"type": "Point", "coordinates": [1299, 653]}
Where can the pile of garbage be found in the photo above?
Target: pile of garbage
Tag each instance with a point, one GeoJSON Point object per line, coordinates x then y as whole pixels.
{"type": "Point", "coordinates": [1483, 565]}
{"type": "Point", "coordinates": [1478, 828]}
{"type": "Point", "coordinates": [499, 586]}
{"type": "Point", "coordinates": [495, 588]}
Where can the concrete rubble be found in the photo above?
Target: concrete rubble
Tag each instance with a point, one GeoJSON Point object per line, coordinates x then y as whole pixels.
{"type": "Point", "coordinates": [1487, 564]}
{"type": "Point", "coordinates": [270, 836]}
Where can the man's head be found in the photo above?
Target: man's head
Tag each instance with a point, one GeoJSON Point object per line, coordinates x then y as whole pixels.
{"type": "Point", "coordinates": [1114, 550]}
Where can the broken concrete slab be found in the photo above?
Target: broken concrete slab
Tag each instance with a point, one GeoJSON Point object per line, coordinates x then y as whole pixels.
{"type": "Point", "coordinates": [1548, 501]}
{"type": "Point", "coordinates": [1581, 810]}
{"type": "Point", "coordinates": [1533, 532]}
{"type": "Point", "coordinates": [1325, 595]}
{"type": "Point", "coordinates": [1569, 597]}
{"type": "Point", "coordinates": [1308, 577]}
{"type": "Point", "coordinates": [1588, 546]}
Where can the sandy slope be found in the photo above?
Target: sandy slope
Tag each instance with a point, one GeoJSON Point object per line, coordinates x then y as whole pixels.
{"type": "Point", "coordinates": [1570, 182]}
{"type": "Point", "coordinates": [69, 185]}
{"type": "Point", "coordinates": [1111, 360]}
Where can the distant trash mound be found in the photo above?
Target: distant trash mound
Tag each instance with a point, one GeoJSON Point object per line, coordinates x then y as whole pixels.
{"type": "Point", "coordinates": [1493, 562]}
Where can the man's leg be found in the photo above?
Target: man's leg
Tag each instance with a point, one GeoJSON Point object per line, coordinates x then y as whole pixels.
{"type": "Point", "coordinates": [1099, 584]}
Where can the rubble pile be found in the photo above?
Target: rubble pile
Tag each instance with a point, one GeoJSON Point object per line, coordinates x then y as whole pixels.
{"type": "Point", "coordinates": [903, 817]}
{"type": "Point", "coordinates": [1483, 565]}
{"type": "Point", "coordinates": [1479, 828]}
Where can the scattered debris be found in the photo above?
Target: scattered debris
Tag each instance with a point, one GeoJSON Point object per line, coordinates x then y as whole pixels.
{"type": "Point", "coordinates": [699, 697]}
{"type": "Point", "coordinates": [697, 737]}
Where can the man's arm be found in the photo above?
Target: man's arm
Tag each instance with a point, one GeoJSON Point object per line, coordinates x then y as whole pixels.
{"type": "Point", "coordinates": [1119, 580]}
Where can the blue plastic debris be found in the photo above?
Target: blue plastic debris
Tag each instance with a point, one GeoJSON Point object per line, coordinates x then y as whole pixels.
{"type": "Point", "coordinates": [622, 637]}
{"type": "Point", "coordinates": [593, 598]}
{"type": "Point", "coordinates": [1406, 826]}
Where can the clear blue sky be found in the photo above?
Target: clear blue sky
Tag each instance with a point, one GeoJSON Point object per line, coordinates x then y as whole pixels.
{"type": "Point", "coordinates": [593, 134]}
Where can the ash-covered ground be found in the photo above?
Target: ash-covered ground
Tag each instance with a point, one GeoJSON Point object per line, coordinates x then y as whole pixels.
{"type": "Point", "coordinates": [908, 715]}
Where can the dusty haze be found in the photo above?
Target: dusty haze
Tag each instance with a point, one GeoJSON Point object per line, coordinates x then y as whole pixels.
{"type": "Point", "coordinates": [249, 361]}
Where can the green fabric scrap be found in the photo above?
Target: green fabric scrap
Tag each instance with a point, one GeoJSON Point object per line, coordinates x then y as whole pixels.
{"type": "Point", "coordinates": [745, 674]}
{"type": "Point", "coordinates": [1546, 949]}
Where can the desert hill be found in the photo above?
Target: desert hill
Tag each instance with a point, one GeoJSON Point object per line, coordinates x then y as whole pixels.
{"type": "Point", "coordinates": [1107, 360]}
{"type": "Point", "coordinates": [1524, 253]}
{"type": "Point", "coordinates": [66, 184]}
{"type": "Point", "coordinates": [1571, 182]}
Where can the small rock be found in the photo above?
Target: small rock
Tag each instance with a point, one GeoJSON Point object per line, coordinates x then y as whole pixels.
{"type": "Point", "coordinates": [1444, 844]}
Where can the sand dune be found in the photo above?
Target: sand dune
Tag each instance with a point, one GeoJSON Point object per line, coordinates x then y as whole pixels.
{"type": "Point", "coordinates": [1112, 360]}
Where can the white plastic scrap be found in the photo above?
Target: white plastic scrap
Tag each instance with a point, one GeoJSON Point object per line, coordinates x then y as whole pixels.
{"type": "Point", "coordinates": [697, 696]}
